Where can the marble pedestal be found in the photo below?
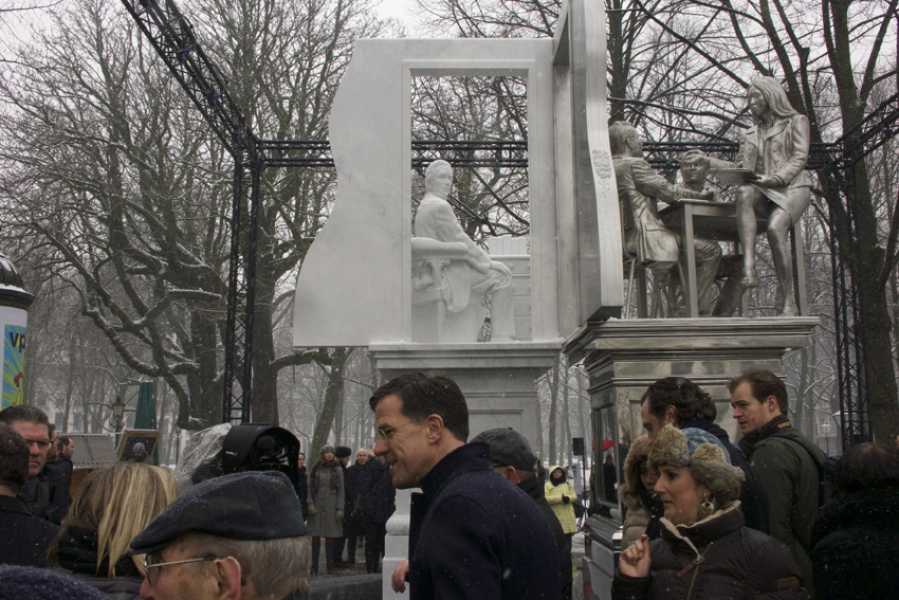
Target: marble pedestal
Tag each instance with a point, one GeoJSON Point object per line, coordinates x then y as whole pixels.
{"type": "Point", "coordinates": [498, 381]}
{"type": "Point", "coordinates": [622, 357]}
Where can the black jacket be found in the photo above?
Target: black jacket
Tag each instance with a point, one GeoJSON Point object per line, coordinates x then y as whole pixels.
{"type": "Point", "coordinates": [58, 475]}
{"type": "Point", "coordinates": [24, 538]}
{"type": "Point", "coordinates": [76, 553]}
{"type": "Point", "coordinates": [856, 546]}
{"type": "Point", "coordinates": [474, 535]}
{"type": "Point", "coordinates": [715, 559]}
{"type": "Point", "coordinates": [300, 486]}
{"type": "Point", "coordinates": [534, 487]}
{"type": "Point", "coordinates": [36, 496]}
{"type": "Point", "coordinates": [753, 501]}
{"type": "Point", "coordinates": [377, 494]}
{"type": "Point", "coordinates": [786, 466]}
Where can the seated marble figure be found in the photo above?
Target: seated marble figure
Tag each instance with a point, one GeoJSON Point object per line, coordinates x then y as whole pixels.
{"type": "Point", "coordinates": [460, 294]}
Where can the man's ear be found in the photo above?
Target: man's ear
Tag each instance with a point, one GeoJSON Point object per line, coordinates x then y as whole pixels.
{"type": "Point", "coordinates": [773, 405]}
{"type": "Point", "coordinates": [434, 425]}
{"type": "Point", "coordinates": [228, 574]}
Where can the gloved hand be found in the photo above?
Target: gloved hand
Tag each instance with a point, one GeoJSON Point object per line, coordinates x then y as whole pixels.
{"type": "Point", "coordinates": [340, 515]}
{"type": "Point", "coordinates": [566, 499]}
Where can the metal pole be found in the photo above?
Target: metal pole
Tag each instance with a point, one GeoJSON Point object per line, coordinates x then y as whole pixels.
{"type": "Point", "coordinates": [231, 349]}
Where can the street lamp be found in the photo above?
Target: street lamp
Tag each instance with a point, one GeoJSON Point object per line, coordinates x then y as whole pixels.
{"type": "Point", "coordinates": [118, 414]}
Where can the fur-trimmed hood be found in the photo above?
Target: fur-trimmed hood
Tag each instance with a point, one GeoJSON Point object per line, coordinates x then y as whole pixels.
{"type": "Point", "coordinates": [636, 456]}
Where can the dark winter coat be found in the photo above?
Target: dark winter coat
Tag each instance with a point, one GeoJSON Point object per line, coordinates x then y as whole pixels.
{"type": "Point", "coordinates": [715, 559]}
{"type": "Point", "coordinates": [534, 487]}
{"type": "Point", "coordinates": [474, 535]}
{"type": "Point", "coordinates": [753, 501]}
{"type": "Point", "coordinates": [24, 538]}
{"type": "Point", "coordinates": [377, 498]}
{"type": "Point", "coordinates": [856, 546]}
{"type": "Point", "coordinates": [58, 475]}
{"type": "Point", "coordinates": [786, 466]}
{"type": "Point", "coordinates": [36, 496]}
{"type": "Point", "coordinates": [357, 479]}
{"type": "Point", "coordinates": [76, 553]}
{"type": "Point", "coordinates": [300, 486]}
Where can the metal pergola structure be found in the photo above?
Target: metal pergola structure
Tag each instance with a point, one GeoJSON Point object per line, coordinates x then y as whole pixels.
{"type": "Point", "coordinates": [171, 35]}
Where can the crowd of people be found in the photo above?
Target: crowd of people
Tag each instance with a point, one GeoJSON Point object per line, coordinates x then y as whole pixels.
{"type": "Point", "coordinates": [703, 517]}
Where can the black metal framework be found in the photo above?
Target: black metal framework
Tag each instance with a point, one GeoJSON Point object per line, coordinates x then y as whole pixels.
{"type": "Point", "coordinates": [172, 37]}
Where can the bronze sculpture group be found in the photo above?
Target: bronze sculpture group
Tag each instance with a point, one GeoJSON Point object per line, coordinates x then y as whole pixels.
{"type": "Point", "coordinates": [772, 185]}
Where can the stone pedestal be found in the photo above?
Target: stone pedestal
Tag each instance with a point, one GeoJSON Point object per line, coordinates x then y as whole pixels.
{"type": "Point", "coordinates": [498, 381]}
{"type": "Point", "coordinates": [622, 357]}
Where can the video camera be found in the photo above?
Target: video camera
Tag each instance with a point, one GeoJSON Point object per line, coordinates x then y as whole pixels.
{"type": "Point", "coordinates": [253, 447]}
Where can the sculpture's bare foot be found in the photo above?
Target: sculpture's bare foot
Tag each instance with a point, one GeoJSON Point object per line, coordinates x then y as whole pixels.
{"type": "Point", "coordinates": [749, 280]}
{"type": "Point", "coordinates": [790, 310]}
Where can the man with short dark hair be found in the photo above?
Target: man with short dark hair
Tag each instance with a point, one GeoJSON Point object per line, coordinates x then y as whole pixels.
{"type": "Point", "coordinates": [473, 535]}
{"type": "Point", "coordinates": [681, 402]}
{"type": "Point", "coordinates": [783, 462]}
{"type": "Point", "coordinates": [512, 457]}
{"type": "Point", "coordinates": [26, 537]}
{"type": "Point", "coordinates": [238, 537]}
{"type": "Point", "coordinates": [32, 424]}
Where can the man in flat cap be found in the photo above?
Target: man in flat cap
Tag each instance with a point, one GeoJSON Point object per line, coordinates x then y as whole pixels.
{"type": "Point", "coordinates": [235, 537]}
{"type": "Point", "coordinates": [512, 457]}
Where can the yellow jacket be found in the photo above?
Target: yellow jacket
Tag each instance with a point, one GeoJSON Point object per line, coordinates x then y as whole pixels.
{"type": "Point", "coordinates": [564, 510]}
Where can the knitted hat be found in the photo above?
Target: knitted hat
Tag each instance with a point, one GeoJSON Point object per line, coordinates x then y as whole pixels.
{"type": "Point", "coordinates": [326, 450]}
{"type": "Point", "coordinates": [704, 455]}
{"type": "Point", "coordinates": [19, 583]}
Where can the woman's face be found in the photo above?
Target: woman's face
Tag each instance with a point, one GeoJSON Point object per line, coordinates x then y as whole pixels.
{"type": "Point", "coordinates": [648, 476]}
{"type": "Point", "coordinates": [680, 494]}
{"type": "Point", "coordinates": [557, 476]}
{"type": "Point", "coordinates": [758, 106]}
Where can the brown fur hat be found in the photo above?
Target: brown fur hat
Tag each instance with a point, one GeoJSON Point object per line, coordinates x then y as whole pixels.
{"type": "Point", "coordinates": [704, 455]}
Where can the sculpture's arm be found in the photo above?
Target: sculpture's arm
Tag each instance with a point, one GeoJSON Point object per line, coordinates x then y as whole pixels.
{"type": "Point", "coordinates": [716, 164]}
{"type": "Point", "coordinates": [649, 182]}
{"type": "Point", "coordinates": [450, 229]}
{"type": "Point", "coordinates": [425, 247]}
{"type": "Point", "coordinates": [795, 163]}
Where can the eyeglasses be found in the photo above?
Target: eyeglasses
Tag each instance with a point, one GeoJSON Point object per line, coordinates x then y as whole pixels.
{"type": "Point", "coordinates": [152, 563]}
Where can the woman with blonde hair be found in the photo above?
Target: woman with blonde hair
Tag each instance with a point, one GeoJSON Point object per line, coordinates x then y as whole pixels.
{"type": "Point", "coordinates": [114, 505]}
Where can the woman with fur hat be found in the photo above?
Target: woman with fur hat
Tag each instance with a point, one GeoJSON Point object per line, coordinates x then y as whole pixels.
{"type": "Point", "coordinates": [705, 550]}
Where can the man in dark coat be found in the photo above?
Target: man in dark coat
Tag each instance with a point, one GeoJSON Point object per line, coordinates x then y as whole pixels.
{"type": "Point", "coordinates": [374, 507]}
{"type": "Point", "coordinates": [512, 457]}
{"type": "Point", "coordinates": [58, 475]}
{"type": "Point", "coordinates": [31, 423]}
{"type": "Point", "coordinates": [26, 537]}
{"type": "Point", "coordinates": [357, 477]}
{"type": "Point", "coordinates": [473, 535]}
{"type": "Point", "coordinates": [783, 462]}
{"type": "Point", "coordinates": [301, 484]}
{"type": "Point", "coordinates": [684, 404]}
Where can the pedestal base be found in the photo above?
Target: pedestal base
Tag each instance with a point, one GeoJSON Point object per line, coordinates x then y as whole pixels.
{"type": "Point", "coordinates": [498, 383]}
{"type": "Point", "coordinates": [622, 357]}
